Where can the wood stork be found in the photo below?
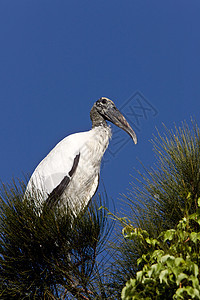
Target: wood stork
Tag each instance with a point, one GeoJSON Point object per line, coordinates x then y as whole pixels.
{"type": "Point", "coordinates": [69, 174]}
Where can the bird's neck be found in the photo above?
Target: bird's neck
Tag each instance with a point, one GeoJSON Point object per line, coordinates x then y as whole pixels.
{"type": "Point", "coordinates": [97, 119]}
{"type": "Point", "coordinates": [100, 140]}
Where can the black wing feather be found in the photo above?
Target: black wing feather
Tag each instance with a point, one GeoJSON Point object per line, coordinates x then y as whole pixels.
{"type": "Point", "coordinates": [57, 192]}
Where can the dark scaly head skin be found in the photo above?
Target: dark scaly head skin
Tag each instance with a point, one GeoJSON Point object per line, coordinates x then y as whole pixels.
{"type": "Point", "coordinates": [104, 110]}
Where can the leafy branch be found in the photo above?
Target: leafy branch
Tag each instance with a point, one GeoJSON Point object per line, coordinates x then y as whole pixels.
{"type": "Point", "coordinates": [169, 267]}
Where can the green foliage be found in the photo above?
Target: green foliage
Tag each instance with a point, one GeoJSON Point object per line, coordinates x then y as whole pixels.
{"type": "Point", "coordinates": [169, 268]}
{"type": "Point", "coordinates": [157, 199]}
{"type": "Point", "coordinates": [51, 255]}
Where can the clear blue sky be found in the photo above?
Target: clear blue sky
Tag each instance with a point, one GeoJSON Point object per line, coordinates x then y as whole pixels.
{"type": "Point", "coordinates": [58, 57]}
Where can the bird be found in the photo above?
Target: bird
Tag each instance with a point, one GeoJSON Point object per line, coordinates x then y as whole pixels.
{"type": "Point", "coordinates": [69, 174]}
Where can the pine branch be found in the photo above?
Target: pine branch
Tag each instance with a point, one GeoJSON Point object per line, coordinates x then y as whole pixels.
{"type": "Point", "coordinates": [43, 255]}
{"type": "Point", "coordinates": [158, 198]}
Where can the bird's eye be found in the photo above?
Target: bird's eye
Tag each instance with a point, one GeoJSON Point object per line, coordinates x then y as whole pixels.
{"type": "Point", "coordinates": [104, 101]}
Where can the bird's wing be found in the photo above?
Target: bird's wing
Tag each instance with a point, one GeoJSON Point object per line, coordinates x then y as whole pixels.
{"type": "Point", "coordinates": [59, 189]}
{"type": "Point", "coordinates": [56, 169]}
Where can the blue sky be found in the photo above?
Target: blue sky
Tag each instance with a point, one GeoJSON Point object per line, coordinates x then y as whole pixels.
{"type": "Point", "coordinates": [58, 57]}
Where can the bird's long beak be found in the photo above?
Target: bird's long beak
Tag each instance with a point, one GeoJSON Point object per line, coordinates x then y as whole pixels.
{"type": "Point", "coordinates": [115, 116]}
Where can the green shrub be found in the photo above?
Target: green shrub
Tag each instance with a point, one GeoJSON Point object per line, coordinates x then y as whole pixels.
{"type": "Point", "coordinates": [169, 266]}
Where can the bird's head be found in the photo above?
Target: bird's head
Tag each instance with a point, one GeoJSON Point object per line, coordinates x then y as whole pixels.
{"type": "Point", "coordinates": [108, 111]}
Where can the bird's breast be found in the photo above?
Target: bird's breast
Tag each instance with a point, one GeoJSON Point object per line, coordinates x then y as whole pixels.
{"type": "Point", "coordinates": [95, 146]}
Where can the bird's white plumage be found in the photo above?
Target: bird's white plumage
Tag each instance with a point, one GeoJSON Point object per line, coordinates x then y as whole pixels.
{"type": "Point", "coordinates": [91, 146]}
